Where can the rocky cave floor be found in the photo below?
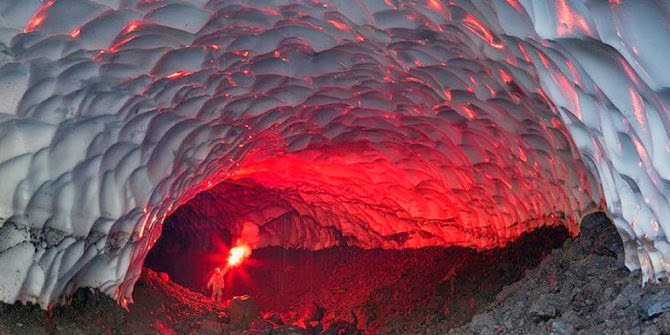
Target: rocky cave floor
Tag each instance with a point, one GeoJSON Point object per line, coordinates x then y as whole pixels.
{"type": "Point", "coordinates": [581, 288]}
{"type": "Point", "coordinates": [540, 284]}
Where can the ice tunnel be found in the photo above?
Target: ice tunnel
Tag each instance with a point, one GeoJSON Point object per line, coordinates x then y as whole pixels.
{"type": "Point", "coordinates": [372, 123]}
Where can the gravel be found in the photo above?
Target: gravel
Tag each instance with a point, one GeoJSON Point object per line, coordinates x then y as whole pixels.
{"type": "Point", "coordinates": [581, 288]}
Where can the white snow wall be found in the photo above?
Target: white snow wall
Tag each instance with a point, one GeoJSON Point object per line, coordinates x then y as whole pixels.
{"type": "Point", "coordinates": [448, 122]}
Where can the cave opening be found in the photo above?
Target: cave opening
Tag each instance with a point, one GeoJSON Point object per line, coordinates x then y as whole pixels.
{"type": "Point", "coordinates": [397, 161]}
{"type": "Point", "coordinates": [385, 290]}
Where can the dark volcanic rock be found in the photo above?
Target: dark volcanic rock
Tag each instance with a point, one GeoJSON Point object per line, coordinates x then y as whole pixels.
{"type": "Point", "coordinates": [242, 311]}
{"type": "Point", "coordinates": [273, 318]}
{"type": "Point", "coordinates": [209, 327]}
{"type": "Point", "coordinates": [289, 330]}
{"type": "Point", "coordinates": [545, 308]}
{"type": "Point", "coordinates": [341, 327]}
{"type": "Point", "coordinates": [484, 324]}
{"type": "Point", "coordinates": [314, 313]}
{"type": "Point", "coordinates": [582, 288]}
{"type": "Point", "coordinates": [598, 234]}
{"type": "Point", "coordinates": [654, 303]}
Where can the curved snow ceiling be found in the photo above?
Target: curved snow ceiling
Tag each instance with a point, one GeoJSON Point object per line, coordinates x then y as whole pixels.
{"type": "Point", "coordinates": [378, 123]}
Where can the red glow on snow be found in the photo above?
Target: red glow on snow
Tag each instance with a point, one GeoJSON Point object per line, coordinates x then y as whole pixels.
{"type": "Point", "coordinates": [243, 53]}
{"type": "Point", "coordinates": [469, 113]}
{"type": "Point", "coordinates": [178, 74]}
{"type": "Point", "coordinates": [238, 254]}
{"type": "Point", "coordinates": [473, 81]}
{"type": "Point", "coordinates": [477, 27]}
{"type": "Point", "coordinates": [447, 94]}
{"type": "Point", "coordinates": [629, 71]}
{"type": "Point", "coordinates": [114, 48]}
{"type": "Point", "coordinates": [339, 25]}
{"type": "Point", "coordinates": [516, 5]}
{"type": "Point", "coordinates": [394, 183]}
{"type": "Point", "coordinates": [575, 73]}
{"type": "Point", "coordinates": [512, 61]}
{"type": "Point", "coordinates": [638, 107]}
{"type": "Point", "coordinates": [570, 92]}
{"type": "Point", "coordinates": [143, 225]}
{"type": "Point", "coordinates": [435, 5]}
{"type": "Point", "coordinates": [522, 155]}
{"type": "Point", "coordinates": [75, 33]}
{"type": "Point", "coordinates": [390, 4]}
{"type": "Point", "coordinates": [491, 90]}
{"type": "Point", "coordinates": [569, 21]}
{"type": "Point", "coordinates": [132, 26]}
{"type": "Point", "coordinates": [505, 76]}
{"type": "Point", "coordinates": [38, 17]}
{"type": "Point", "coordinates": [524, 52]}
{"type": "Point", "coordinates": [543, 59]}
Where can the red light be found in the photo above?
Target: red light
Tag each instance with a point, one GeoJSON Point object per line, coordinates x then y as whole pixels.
{"type": "Point", "coordinates": [435, 5]}
{"type": "Point", "coordinates": [570, 20]}
{"type": "Point", "coordinates": [178, 74]}
{"type": "Point", "coordinates": [132, 26]}
{"type": "Point", "coordinates": [477, 27]}
{"type": "Point", "coordinates": [339, 25]}
{"type": "Point", "coordinates": [38, 17]}
{"type": "Point", "coordinates": [388, 2]}
{"type": "Point", "coordinates": [34, 23]}
{"type": "Point", "coordinates": [505, 76]}
{"type": "Point", "coordinates": [469, 113]}
{"type": "Point", "coordinates": [516, 5]}
{"type": "Point", "coordinates": [638, 107]}
{"type": "Point", "coordinates": [238, 254]}
{"type": "Point", "coordinates": [75, 33]}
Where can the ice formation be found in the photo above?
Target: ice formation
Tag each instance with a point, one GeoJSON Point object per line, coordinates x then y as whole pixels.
{"type": "Point", "coordinates": [375, 123]}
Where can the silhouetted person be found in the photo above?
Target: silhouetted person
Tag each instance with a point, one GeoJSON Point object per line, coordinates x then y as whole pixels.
{"type": "Point", "coordinates": [217, 282]}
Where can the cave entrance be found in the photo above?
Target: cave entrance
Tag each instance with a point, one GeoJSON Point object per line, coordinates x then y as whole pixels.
{"type": "Point", "coordinates": [382, 290]}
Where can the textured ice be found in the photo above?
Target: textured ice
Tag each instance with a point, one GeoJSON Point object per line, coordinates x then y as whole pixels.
{"type": "Point", "coordinates": [375, 123]}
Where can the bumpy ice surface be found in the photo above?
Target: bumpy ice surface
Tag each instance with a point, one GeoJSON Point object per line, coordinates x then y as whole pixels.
{"type": "Point", "coordinates": [374, 123]}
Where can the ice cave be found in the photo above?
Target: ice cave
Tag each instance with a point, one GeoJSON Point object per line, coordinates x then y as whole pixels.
{"type": "Point", "coordinates": [168, 130]}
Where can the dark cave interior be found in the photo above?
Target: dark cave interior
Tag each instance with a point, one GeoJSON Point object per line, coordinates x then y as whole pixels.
{"type": "Point", "coordinates": [377, 289]}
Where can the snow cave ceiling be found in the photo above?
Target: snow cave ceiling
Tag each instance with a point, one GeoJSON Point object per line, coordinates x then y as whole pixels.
{"type": "Point", "coordinates": [371, 123]}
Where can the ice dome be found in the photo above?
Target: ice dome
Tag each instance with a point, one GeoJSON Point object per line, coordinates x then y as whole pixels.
{"type": "Point", "coordinates": [369, 123]}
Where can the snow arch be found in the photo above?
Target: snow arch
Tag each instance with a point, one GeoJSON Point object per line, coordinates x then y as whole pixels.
{"type": "Point", "coordinates": [380, 123]}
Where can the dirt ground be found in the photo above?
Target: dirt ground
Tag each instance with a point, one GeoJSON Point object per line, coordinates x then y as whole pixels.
{"type": "Point", "coordinates": [356, 290]}
{"type": "Point", "coordinates": [581, 288]}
